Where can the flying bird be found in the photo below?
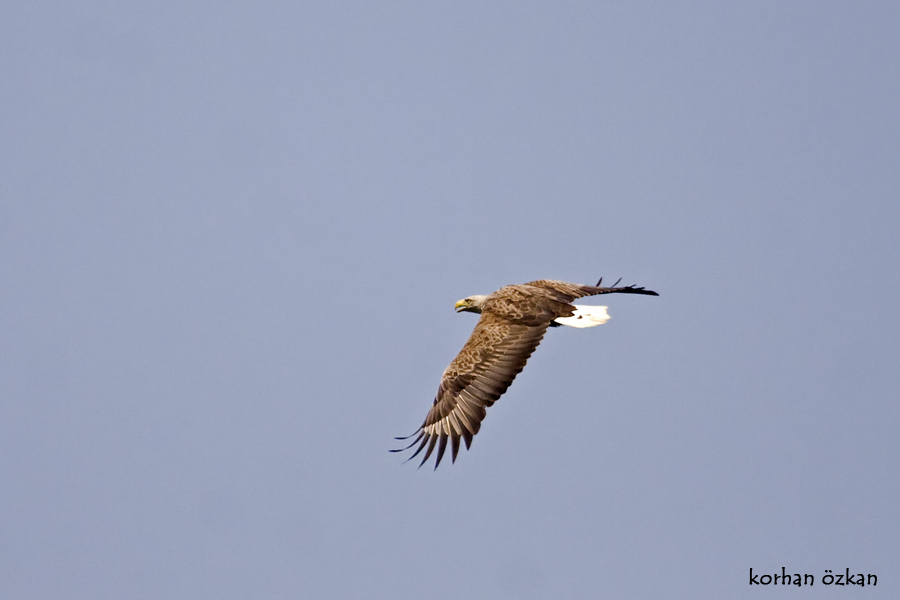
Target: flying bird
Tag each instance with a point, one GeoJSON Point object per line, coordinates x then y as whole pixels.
{"type": "Point", "coordinates": [513, 321]}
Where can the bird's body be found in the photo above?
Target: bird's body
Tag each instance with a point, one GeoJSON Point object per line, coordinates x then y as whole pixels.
{"type": "Point", "coordinates": [513, 321]}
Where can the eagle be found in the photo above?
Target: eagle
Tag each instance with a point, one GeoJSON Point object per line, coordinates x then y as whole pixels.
{"type": "Point", "coordinates": [513, 321]}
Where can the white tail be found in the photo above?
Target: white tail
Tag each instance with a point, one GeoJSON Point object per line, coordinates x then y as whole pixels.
{"type": "Point", "coordinates": [585, 316]}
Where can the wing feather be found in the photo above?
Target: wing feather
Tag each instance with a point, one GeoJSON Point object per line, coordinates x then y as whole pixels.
{"type": "Point", "coordinates": [483, 370]}
{"type": "Point", "coordinates": [455, 441]}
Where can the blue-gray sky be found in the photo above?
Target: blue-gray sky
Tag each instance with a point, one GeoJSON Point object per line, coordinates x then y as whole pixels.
{"type": "Point", "coordinates": [231, 237]}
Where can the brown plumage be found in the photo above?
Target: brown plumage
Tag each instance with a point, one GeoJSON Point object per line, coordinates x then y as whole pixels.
{"type": "Point", "coordinates": [513, 322]}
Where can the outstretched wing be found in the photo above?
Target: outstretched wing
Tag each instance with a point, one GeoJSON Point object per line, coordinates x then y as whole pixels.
{"type": "Point", "coordinates": [566, 292]}
{"type": "Point", "coordinates": [495, 353]}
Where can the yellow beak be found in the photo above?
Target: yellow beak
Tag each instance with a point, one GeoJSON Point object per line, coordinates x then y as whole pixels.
{"type": "Point", "coordinates": [461, 305]}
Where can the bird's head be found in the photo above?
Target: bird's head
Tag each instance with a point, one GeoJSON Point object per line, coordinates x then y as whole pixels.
{"type": "Point", "coordinates": [470, 304]}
